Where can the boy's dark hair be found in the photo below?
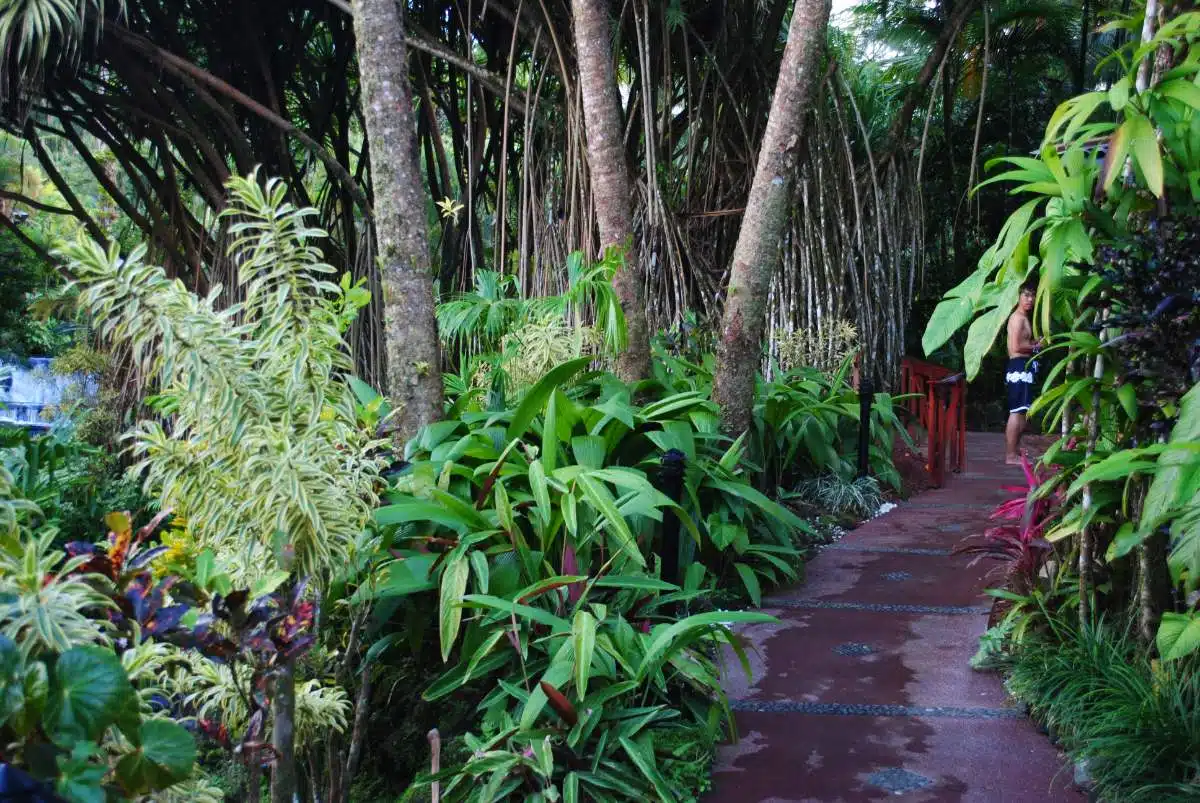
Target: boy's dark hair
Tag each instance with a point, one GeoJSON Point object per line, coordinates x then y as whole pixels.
{"type": "Point", "coordinates": [1030, 286]}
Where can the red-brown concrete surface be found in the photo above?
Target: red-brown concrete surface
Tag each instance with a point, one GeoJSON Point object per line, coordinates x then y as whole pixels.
{"type": "Point", "coordinates": [863, 691]}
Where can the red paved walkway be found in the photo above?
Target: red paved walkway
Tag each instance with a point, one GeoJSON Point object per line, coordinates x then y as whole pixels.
{"type": "Point", "coordinates": [863, 691]}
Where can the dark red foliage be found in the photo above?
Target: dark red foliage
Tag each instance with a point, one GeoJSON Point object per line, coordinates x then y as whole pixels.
{"type": "Point", "coordinates": [1018, 544]}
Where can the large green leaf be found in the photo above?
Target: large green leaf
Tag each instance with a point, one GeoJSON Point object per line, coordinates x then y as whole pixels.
{"type": "Point", "coordinates": [590, 451]}
{"type": "Point", "coordinates": [981, 337]}
{"type": "Point", "coordinates": [556, 676]}
{"type": "Point", "coordinates": [165, 756]}
{"type": "Point", "coordinates": [948, 317]}
{"type": "Point", "coordinates": [550, 434]}
{"type": "Point", "coordinates": [634, 581]}
{"type": "Point", "coordinates": [399, 578]}
{"type": "Point", "coordinates": [583, 631]}
{"type": "Point", "coordinates": [1182, 90]}
{"type": "Point", "coordinates": [1118, 93]}
{"type": "Point", "coordinates": [760, 500]}
{"type": "Point", "coordinates": [541, 491]}
{"type": "Point", "coordinates": [750, 581]}
{"type": "Point", "coordinates": [535, 400]}
{"type": "Point", "coordinates": [598, 496]}
{"type": "Point", "coordinates": [89, 691]}
{"type": "Point", "coordinates": [643, 759]}
{"type": "Point", "coordinates": [450, 612]}
{"type": "Point", "coordinates": [1144, 145]}
{"type": "Point", "coordinates": [1077, 111]}
{"type": "Point", "coordinates": [668, 638]}
{"type": "Point", "coordinates": [418, 510]}
{"type": "Point", "coordinates": [512, 608]}
{"type": "Point", "coordinates": [1178, 635]}
{"type": "Point", "coordinates": [1178, 472]}
{"type": "Point", "coordinates": [1118, 151]}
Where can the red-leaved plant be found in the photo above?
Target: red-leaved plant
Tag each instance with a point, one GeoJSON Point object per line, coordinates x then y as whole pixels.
{"type": "Point", "coordinates": [1018, 542]}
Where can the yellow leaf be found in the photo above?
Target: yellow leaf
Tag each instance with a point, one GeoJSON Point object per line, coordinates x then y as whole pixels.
{"type": "Point", "coordinates": [1118, 149]}
{"type": "Point", "coordinates": [118, 523]}
{"type": "Point", "coordinates": [1144, 144]}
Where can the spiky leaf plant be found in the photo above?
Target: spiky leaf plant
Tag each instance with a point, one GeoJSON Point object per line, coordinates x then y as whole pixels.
{"type": "Point", "coordinates": [40, 34]}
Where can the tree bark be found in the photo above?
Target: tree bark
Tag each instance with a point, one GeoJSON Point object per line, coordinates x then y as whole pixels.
{"type": "Point", "coordinates": [756, 255]}
{"type": "Point", "coordinates": [414, 379]}
{"type": "Point", "coordinates": [611, 188]}
{"type": "Point", "coordinates": [283, 734]}
{"type": "Point", "coordinates": [358, 732]}
{"type": "Point", "coordinates": [1085, 37]}
{"type": "Point", "coordinates": [949, 33]}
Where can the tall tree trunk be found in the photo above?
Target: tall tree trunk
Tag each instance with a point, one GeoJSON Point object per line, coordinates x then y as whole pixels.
{"type": "Point", "coordinates": [945, 39]}
{"type": "Point", "coordinates": [414, 378]}
{"type": "Point", "coordinates": [756, 255]}
{"type": "Point", "coordinates": [283, 733]}
{"type": "Point", "coordinates": [1085, 34]}
{"type": "Point", "coordinates": [611, 188]}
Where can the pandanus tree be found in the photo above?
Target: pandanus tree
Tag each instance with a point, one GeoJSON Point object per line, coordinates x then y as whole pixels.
{"type": "Point", "coordinates": [611, 189]}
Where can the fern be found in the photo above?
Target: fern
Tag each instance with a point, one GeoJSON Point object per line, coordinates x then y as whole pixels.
{"type": "Point", "coordinates": [479, 322]}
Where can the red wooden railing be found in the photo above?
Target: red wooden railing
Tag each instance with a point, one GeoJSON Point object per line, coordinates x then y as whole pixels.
{"type": "Point", "coordinates": [940, 408]}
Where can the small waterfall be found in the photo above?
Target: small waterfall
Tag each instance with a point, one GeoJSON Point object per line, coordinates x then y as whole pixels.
{"type": "Point", "coordinates": [30, 391]}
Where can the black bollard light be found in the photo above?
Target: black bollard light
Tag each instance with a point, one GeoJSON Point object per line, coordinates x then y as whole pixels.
{"type": "Point", "coordinates": [866, 396]}
{"type": "Point", "coordinates": [670, 482]}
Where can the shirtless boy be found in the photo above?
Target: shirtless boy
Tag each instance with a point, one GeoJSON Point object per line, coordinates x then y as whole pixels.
{"type": "Point", "coordinates": [1021, 373]}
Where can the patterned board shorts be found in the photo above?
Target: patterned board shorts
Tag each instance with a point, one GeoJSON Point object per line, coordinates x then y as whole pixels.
{"type": "Point", "coordinates": [1019, 381]}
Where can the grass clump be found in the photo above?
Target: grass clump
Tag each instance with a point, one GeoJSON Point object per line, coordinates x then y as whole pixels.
{"type": "Point", "coordinates": [1133, 720]}
{"type": "Point", "coordinates": [857, 498]}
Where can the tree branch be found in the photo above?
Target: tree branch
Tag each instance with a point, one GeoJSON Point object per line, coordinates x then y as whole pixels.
{"type": "Point", "coordinates": [64, 189]}
{"type": "Point", "coordinates": [421, 40]}
{"type": "Point", "coordinates": [42, 253]}
{"type": "Point", "coordinates": [945, 39]}
{"type": "Point", "coordinates": [184, 67]}
{"type": "Point", "coordinates": [25, 200]}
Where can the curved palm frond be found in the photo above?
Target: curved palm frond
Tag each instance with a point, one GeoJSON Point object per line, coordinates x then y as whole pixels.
{"type": "Point", "coordinates": [40, 34]}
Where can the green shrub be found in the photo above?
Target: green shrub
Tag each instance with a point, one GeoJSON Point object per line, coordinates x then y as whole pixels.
{"type": "Point", "coordinates": [859, 497]}
{"type": "Point", "coordinates": [69, 714]}
{"type": "Point", "coordinates": [1135, 721]}
{"type": "Point", "coordinates": [539, 531]}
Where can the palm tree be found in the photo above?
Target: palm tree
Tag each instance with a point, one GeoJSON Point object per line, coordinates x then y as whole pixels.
{"type": "Point", "coordinates": [756, 255]}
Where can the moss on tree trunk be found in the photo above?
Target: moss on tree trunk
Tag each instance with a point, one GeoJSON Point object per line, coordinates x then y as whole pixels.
{"type": "Point", "coordinates": [414, 379]}
{"type": "Point", "coordinates": [611, 188]}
